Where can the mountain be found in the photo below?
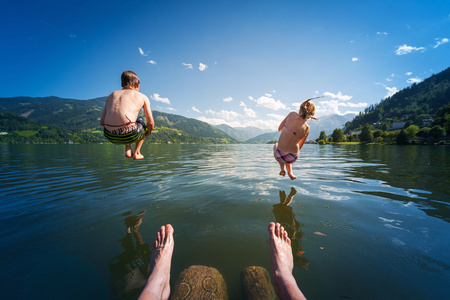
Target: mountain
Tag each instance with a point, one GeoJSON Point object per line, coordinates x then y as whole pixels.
{"type": "Point", "coordinates": [241, 133]}
{"type": "Point", "coordinates": [264, 138]}
{"type": "Point", "coordinates": [17, 129]}
{"type": "Point", "coordinates": [326, 123]}
{"type": "Point", "coordinates": [84, 115]}
{"type": "Point", "coordinates": [69, 114]}
{"type": "Point", "coordinates": [413, 104]}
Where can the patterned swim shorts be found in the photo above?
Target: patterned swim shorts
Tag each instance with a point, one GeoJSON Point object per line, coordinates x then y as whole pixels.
{"type": "Point", "coordinates": [284, 157]}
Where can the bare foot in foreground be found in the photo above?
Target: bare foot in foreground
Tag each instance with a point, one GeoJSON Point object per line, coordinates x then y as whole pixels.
{"type": "Point", "coordinates": [157, 286]}
{"type": "Point", "coordinates": [292, 176]}
{"type": "Point", "coordinates": [128, 151]}
{"type": "Point", "coordinates": [282, 263]}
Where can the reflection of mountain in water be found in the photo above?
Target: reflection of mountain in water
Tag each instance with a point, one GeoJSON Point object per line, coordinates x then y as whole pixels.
{"type": "Point", "coordinates": [412, 171]}
{"type": "Point", "coordinates": [286, 217]}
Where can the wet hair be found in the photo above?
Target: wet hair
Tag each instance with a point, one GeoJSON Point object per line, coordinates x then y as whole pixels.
{"type": "Point", "coordinates": [129, 78]}
{"type": "Point", "coordinates": [308, 109]}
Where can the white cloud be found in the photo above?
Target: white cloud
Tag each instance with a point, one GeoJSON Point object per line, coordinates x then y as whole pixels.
{"type": "Point", "coordinates": [142, 52]}
{"type": "Point", "coordinates": [414, 80]}
{"type": "Point", "coordinates": [195, 109]}
{"type": "Point", "coordinates": [277, 117]}
{"type": "Point", "coordinates": [391, 91]}
{"type": "Point", "coordinates": [157, 97]}
{"type": "Point", "coordinates": [251, 98]}
{"type": "Point", "coordinates": [408, 73]}
{"type": "Point", "coordinates": [263, 124]}
{"type": "Point", "coordinates": [242, 104]}
{"type": "Point", "coordinates": [212, 121]}
{"type": "Point", "coordinates": [382, 33]}
{"type": "Point", "coordinates": [389, 79]}
{"type": "Point", "coordinates": [440, 42]}
{"type": "Point", "coordinates": [268, 102]}
{"type": "Point", "coordinates": [355, 59]}
{"type": "Point", "coordinates": [202, 67]}
{"type": "Point", "coordinates": [330, 107]}
{"type": "Point", "coordinates": [224, 114]}
{"type": "Point", "coordinates": [188, 66]}
{"type": "Point", "coordinates": [249, 112]}
{"type": "Point", "coordinates": [404, 49]}
{"type": "Point", "coordinates": [338, 96]}
{"type": "Point", "coordinates": [349, 104]}
{"type": "Point", "coordinates": [228, 99]}
{"type": "Point", "coordinates": [72, 36]}
{"type": "Point", "coordinates": [152, 62]}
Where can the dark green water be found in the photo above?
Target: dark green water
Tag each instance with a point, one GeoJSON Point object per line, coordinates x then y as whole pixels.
{"type": "Point", "coordinates": [372, 222]}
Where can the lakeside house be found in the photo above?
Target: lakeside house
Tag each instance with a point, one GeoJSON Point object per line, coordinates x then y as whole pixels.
{"type": "Point", "coordinates": [397, 125]}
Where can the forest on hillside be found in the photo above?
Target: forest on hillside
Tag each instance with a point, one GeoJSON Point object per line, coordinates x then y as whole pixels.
{"type": "Point", "coordinates": [416, 105]}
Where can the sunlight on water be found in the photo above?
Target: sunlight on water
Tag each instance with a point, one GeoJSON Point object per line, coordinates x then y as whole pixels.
{"type": "Point", "coordinates": [355, 214]}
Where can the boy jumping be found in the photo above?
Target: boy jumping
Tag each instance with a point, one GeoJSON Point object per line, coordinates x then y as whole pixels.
{"type": "Point", "coordinates": [121, 108]}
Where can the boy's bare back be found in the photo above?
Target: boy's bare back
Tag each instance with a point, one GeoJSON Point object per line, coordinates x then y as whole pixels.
{"type": "Point", "coordinates": [123, 106]}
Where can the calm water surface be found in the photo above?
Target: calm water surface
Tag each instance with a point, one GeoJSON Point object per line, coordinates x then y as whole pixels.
{"type": "Point", "coordinates": [367, 222]}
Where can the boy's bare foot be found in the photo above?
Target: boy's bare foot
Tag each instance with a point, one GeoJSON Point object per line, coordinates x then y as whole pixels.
{"type": "Point", "coordinates": [292, 176]}
{"type": "Point", "coordinates": [282, 263]}
{"type": "Point", "coordinates": [157, 286]}
{"type": "Point", "coordinates": [138, 156]}
{"type": "Point", "coordinates": [282, 173]}
{"type": "Point", "coordinates": [128, 151]}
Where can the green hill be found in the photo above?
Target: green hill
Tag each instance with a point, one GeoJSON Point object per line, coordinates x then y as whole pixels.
{"type": "Point", "coordinates": [413, 105]}
{"type": "Point", "coordinates": [16, 129]}
{"type": "Point", "coordinates": [84, 116]}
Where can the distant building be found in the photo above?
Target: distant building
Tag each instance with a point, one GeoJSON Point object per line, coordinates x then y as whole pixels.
{"type": "Point", "coordinates": [397, 125]}
{"type": "Point", "coordinates": [426, 122]}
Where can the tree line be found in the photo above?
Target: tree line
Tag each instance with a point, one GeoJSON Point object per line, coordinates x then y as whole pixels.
{"type": "Point", "coordinates": [410, 133]}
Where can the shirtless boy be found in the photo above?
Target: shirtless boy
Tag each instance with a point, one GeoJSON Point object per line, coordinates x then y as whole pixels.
{"type": "Point", "coordinates": [120, 116]}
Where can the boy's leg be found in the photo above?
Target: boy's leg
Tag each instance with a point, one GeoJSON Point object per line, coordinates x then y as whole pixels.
{"type": "Point", "coordinates": [128, 151]}
{"type": "Point", "coordinates": [137, 150]}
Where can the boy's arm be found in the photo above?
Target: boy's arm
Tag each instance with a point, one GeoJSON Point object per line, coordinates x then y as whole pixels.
{"type": "Point", "coordinates": [148, 116]}
{"type": "Point", "coordinates": [102, 119]}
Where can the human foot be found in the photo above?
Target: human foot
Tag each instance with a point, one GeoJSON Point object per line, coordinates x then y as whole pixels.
{"type": "Point", "coordinates": [282, 263]}
{"type": "Point", "coordinates": [283, 173]}
{"type": "Point", "coordinates": [128, 151]}
{"type": "Point", "coordinates": [292, 176]}
{"type": "Point", "coordinates": [157, 286]}
{"type": "Point", "coordinates": [138, 156]}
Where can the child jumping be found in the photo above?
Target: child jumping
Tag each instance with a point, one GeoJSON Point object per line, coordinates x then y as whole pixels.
{"type": "Point", "coordinates": [120, 116]}
{"type": "Point", "coordinates": [294, 131]}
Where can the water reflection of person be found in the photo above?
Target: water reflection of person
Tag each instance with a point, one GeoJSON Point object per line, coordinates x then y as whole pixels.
{"type": "Point", "coordinates": [130, 269]}
{"type": "Point", "coordinates": [286, 217]}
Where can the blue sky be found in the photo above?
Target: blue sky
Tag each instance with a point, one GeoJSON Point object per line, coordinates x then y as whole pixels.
{"type": "Point", "coordinates": [242, 63]}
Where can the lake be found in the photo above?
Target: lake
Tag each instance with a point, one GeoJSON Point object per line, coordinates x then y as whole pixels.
{"type": "Point", "coordinates": [366, 221]}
